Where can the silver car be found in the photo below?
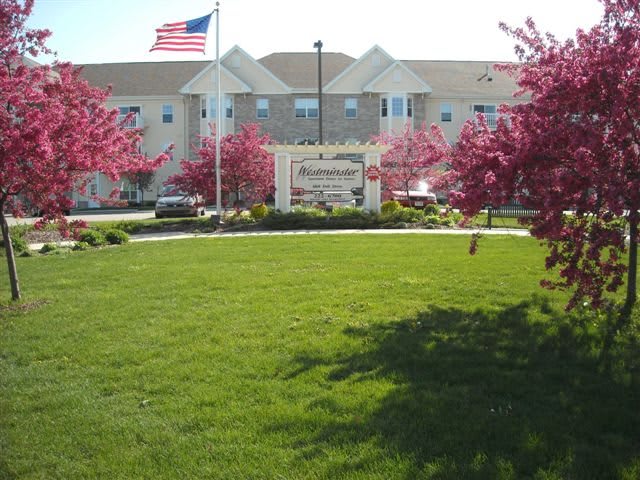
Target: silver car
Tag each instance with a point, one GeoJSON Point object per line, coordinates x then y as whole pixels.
{"type": "Point", "coordinates": [173, 203]}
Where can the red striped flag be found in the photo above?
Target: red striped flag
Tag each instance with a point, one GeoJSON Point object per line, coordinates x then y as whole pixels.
{"type": "Point", "coordinates": [189, 36]}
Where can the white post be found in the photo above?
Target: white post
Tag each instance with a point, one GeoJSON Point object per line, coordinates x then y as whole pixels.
{"type": "Point", "coordinates": [283, 182]}
{"type": "Point", "coordinates": [218, 116]}
{"type": "Point", "coordinates": [372, 187]}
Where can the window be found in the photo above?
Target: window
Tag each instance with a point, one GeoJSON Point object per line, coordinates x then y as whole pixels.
{"type": "Point", "coordinates": [306, 140]}
{"type": "Point", "coordinates": [167, 113]}
{"type": "Point", "coordinates": [134, 122]}
{"type": "Point", "coordinates": [262, 108]}
{"type": "Point", "coordinates": [446, 111]}
{"type": "Point", "coordinates": [128, 191]}
{"type": "Point", "coordinates": [228, 106]}
{"type": "Point", "coordinates": [203, 107]}
{"type": "Point", "coordinates": [212, 108]}
{"type": "Point", "coordinates": [409, 107]}
{"type": "Point", "coordinates": [397, 76]}
{"type": "Point", "coordinates": [306, 107]}
{"type": "Point", "coordinates": [383, 107]}
{"type": "Point", "coordinates": [375, 60]}
{"type": "Point", "coordinates": [396, 106]}
{"type": "Point", "coordinates": [126, 109]}
{"type": "Point", "coordinates": [350, 107]}
{"type": "Point", "coordinates": [484, 109]}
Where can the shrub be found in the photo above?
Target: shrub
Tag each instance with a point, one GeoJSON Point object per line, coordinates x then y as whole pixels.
{"type": "Point", "coordinates": [406, 215]}
{"type": "Point", "coordinates": [432, 219]}
{"type": "Point", "coordinates": [432, 209]}
{"type": "Point", "coordinates": [80, 246]}
{"type": "Point", "coordinates": [238, 217]}
{"type": "Point", "coordinates": [18, 243]}
{"type": "Point", "coordinates": [299, 217]}
{"type": "Point", "coordinates": [48, 248]}
{"type": "Point", "coordinates": [389, 207]}
{"type": "Point", "coordinates": [129, 226]}
{"type": "Point", "coordinates": [258, 211]}
{"type": "Point", "coordinates": [348, 212]}
{"type": "Point", "coordinates": [116, 237]}
{"type": "Point", "coordinates": [94, 238]}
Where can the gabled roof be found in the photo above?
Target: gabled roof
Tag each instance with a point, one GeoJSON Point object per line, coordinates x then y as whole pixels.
{"type": "Point", "coordinates": [241, 87]}
{"type": "Point", "coordinates": [142, 78]}
{"type": "Point", "coordinates": [237, 50]}
{"type": "Point", "coordinates": [355, 64]}
{"type": "Point", "coordinates": [457, 79]}
{"type": "Point", "coordinates": [300, 70]}
{"type": "Point", "coordinates": [420, 86]}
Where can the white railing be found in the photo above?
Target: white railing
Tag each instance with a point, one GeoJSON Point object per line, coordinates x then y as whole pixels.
{"type": "Point", "coordinates": [492, 119]}
{"type": "Point", "coordinates": [133, 122]}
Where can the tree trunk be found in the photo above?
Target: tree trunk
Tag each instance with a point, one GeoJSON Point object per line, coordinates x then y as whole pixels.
{"type": "Point", "coordinates": [11, 261]}
{"type": "Point", "coordinates": [624, 316]}
{"type": "Point", "coordinates": [631, 297]}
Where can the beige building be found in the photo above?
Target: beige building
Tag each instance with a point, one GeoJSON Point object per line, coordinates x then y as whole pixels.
{"type": "Point", "coordinates": [175, 102]}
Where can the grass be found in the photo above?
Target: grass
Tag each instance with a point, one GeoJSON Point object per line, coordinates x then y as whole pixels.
{"type": "Point", "coordinates": [307, 357]}
{"type": "Point", "coordinates": [481, 220]}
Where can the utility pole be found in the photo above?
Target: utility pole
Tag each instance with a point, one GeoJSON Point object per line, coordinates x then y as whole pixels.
{"type": "Point", "coordinates": [318, 45]}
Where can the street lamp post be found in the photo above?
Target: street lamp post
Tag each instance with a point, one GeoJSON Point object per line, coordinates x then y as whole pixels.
{"type": "Point", "coordinates": [318, 45]}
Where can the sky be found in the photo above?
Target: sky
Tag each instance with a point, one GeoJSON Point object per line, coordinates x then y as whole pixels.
{"type": "Point", "coordinates": [106, 31]}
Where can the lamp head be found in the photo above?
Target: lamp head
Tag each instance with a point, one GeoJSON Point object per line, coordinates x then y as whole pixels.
{"type": "Point", "coordinates": [318, 44]}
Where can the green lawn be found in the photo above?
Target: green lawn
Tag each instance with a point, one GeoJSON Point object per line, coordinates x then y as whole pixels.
{"type": "Point", "coordinates": [307, 357]}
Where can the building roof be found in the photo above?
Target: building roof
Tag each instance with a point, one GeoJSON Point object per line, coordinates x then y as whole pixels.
{"type": "Point", "coordinates": [142, 78]}
{"type": "Point", "coordinates": [447, 78]}
{"type": "Point", "coordinates": [467, 79]}
{"type": "Point", "coordinates": [300, 70]}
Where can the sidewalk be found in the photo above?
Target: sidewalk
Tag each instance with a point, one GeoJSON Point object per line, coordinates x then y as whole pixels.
{"type": "Point", "coordinates": [271, 233]}
{"type": "Point", "coordinates": [154, 237]}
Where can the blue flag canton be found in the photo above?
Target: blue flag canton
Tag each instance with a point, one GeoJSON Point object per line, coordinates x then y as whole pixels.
{"type": "Point", "coordinates": [198, 25]}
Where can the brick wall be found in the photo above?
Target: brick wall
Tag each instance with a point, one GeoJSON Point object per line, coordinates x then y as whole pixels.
{"type": "Point", "coordinates": [283, 126]}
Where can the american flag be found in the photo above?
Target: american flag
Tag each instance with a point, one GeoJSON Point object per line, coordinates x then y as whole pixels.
{"type": "Point", "coordinates": [189, 36]}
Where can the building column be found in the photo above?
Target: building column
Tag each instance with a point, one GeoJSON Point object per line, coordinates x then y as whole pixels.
{"type": "Point", "coordinates": [283, 182]}
{"type": "Point", "coordinates": [371, 186]}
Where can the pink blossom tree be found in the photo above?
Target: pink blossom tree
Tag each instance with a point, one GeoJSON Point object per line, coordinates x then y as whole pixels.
{"type": "Point", "coordinates": [414, 157]}
{"type": "Point", "coordinates": [245, 167]}
{"type": "Point", "coordinates": [574, 145]}
{"type": "Point", "coordinates": [55, 131]}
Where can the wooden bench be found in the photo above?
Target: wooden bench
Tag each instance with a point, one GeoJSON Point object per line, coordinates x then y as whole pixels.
{"type": "Point", "coordinates": [509, 211]}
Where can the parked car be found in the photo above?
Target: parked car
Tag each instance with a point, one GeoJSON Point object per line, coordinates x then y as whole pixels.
{"type": "Point", "coordinates": [416, 199]}
{"type": "Point", "coordinates": [173, 203]}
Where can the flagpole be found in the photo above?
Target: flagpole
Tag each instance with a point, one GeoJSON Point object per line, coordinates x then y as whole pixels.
{"type": "Point", "coordinates": [218, 117]}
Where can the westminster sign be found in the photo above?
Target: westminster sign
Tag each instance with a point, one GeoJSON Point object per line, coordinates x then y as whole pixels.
{"type": "Point", "coordinates": [327, 175]}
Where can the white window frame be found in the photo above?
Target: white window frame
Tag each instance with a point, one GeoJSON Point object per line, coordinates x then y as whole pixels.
{"type": "Point", "coordinates": [213, 105]}
{"type": "Point", "coordinates": [446, 112]}
{"type": "Point", "coordinates": [167, 113]}
{"type": "Point", "coordinates": [351, 107]}
{"type": "Point", "coordinates": [306, 105]}
{"type": "Point", "coordinates": [397, 109]}
{"type": "Point", "coordinates": [262, 105]}
{"type": "Point", "coordinates": [130, 193]}
{"type": "Point", "coordinates": [228, 106]}
{"type": "Point", "coordinates": [384, 107]}
{"type": "Point", "coordinates": [484, 105]}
